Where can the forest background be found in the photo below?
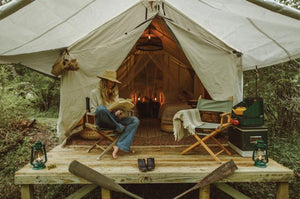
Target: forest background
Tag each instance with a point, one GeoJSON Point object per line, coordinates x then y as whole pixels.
{"type": "Point", "coordinates": [26, 95]}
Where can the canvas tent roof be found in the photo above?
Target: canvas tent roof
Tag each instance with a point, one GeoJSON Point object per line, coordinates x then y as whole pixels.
{"type": "Point", "coordinates": [100, 34]}
{"type": "Point", "coordinates": [246, 27]}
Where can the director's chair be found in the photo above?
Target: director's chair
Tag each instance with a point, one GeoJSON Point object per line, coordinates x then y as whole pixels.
{"type": "Point", "coordinates": [105, 134]}
{"type": "Point", "coordinates": [223, 107]}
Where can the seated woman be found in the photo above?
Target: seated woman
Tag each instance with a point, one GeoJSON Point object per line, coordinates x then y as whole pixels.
{"type": "Point", "coordinates": [101, 98]}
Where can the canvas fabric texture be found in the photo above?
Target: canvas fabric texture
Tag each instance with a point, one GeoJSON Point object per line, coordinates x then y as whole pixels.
{"type": "Point", "coordinates": [215, 106]}
{"type": "Point", "coordinates": [240, 24]}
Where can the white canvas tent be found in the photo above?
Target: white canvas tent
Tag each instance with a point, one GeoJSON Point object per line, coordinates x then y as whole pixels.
{"type": "Point", "coordinates": [219, 38]}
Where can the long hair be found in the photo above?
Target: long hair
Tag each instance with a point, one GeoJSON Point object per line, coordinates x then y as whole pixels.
{"type": "Point", "coordinates": [108, 95]}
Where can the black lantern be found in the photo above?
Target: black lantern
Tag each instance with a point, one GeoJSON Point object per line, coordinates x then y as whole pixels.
{"type": "Point", "coordinates": [38, 156]}
{"type": "Point", "coordinates": [260, 154]}
{"type": "Point", "coordinates": [149, 42]}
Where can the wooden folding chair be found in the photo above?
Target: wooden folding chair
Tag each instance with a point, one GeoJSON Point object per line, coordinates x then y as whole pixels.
{"type": "Point", "coordinates": [223, 107]}
{"type": "Point", "coordinates": [106, 134]}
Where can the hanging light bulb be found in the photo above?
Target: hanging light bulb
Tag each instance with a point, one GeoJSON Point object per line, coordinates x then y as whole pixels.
{"type": "Point", "coordinates": [155, 98]}
{"type": "Point", "coordinates": [149, 33]}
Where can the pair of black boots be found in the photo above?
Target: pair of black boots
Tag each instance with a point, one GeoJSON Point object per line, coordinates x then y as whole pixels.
{"type": "Point", "coordinates": [146, 167]}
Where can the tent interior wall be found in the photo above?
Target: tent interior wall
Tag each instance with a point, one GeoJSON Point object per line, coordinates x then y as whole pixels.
{"type": "Point", "coordinates": [164, 75]}
{"type": "Point", "coordinates": [150, 74]}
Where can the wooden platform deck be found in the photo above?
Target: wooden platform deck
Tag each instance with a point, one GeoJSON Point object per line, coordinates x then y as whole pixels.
{"type": "Point", "coordinates": [171, 167]}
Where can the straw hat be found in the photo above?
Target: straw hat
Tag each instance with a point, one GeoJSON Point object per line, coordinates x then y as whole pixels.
{"type": "Point", "coordinates": [109, 75]}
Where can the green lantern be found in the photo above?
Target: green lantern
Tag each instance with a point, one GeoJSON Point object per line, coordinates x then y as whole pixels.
{"type": "Point", "coordinates": [38, 156]}
{"type": "Point", "coordinates": [260, 154]}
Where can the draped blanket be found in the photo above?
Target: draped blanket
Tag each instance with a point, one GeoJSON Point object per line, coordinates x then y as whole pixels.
{"type": "Point", "coordinates": [185, 122]}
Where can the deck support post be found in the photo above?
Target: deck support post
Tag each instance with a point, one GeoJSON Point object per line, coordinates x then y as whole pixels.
{"type": "Point", "coordinates": [105, 193]}
{"type": "Point", "coordinates": [282, 190]}
{"type": "Point", "coordinates": [204, 192]}
{"type": "Point", "coordinates": [27, 191]}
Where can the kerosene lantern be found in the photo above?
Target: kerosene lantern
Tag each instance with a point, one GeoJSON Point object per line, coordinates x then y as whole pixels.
{"type": "Point", "coordinates": [260, 154]}
{"type": "Point", "coordinates": [38, 156]}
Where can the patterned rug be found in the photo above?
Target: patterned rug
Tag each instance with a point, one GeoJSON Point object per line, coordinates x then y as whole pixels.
{"type": "Point", "coordinates": [148, 134]}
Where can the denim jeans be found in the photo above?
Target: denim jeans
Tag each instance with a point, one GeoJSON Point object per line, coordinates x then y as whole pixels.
{"type": "Point", "coordinates": [106, 119]}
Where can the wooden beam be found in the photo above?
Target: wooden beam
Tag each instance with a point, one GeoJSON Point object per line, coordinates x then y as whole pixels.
{"type": "Point", "coordinates": [82, 191]}
{"type": "Point", "coordinates": [159, 66]}
{"type": "Point", "coordinates": [142, 65]}
{"type": "Point", "coordinates": [130, 61]}
{"type": "Point", "coordinates": [27, 191]}
{"type": "Point", "coordinates": [160, 52]}
{"type": "Point", "coordinates": [105, 193]}
{"type": "Point", "coordinates": [282, 190]}
{"type": "Point", "coordinates": [204, 192]}
{"type": "Point", "coordinates": [231, 191]}
{"type": "Point", "coordinates": [183, 64]}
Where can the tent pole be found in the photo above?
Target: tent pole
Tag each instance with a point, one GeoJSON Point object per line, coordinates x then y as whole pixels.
{"type": "Point", "coordinates": [168, 81]}
{"type": "Point", "coordinates": [256, 77]}
{"type": "Point", "coordinates": [12, 6]}
{"type": "Point", "coordinates": [279, 8]}
{"type": "Point", "coordinates": [178, 74]}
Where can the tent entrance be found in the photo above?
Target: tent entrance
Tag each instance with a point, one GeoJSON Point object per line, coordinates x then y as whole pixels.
{"type": "Point", "coordinates": [154, 79]}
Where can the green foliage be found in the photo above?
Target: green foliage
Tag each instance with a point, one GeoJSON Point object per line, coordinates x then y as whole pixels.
{"type": "Point", "coordinates": [42, 91]}
{"type": "Point", "coordinates": [12, 102]}
{"type": "Point", "coordinates": [20, 93]}
{"type": "Point", "coordinates": [279, 87]}
{"type": "Point", "coordinates": [292, 3]}
{"type": "Point", "coordinates": [2, 2]}
{"type": "Point", "coordinates": [285, 150]}
{"type": "Point", "coordinates": [21, 89]}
